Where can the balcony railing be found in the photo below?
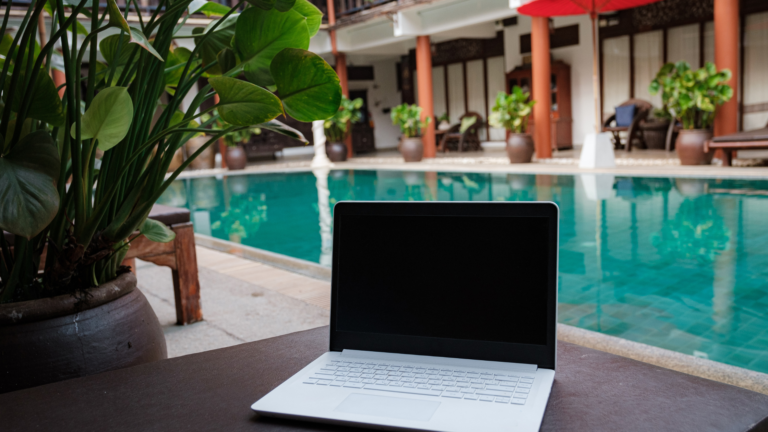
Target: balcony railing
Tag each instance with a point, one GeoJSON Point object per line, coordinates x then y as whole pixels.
{"type": "Point", "coordinates": [345, 8]}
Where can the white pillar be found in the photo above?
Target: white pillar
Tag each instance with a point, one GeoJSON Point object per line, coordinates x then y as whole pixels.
{"type": "Point", "coordinates": [320, 159]}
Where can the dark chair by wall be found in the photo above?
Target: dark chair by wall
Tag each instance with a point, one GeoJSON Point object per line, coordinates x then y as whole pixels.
{"type": "Point", "coordinates": [627, 118]}
{"type": "Point", "coordinates": [454, 140]}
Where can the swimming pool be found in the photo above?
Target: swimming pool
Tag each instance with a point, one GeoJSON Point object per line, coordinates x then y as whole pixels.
{"type": "Point", "coordinates": [676, 263]}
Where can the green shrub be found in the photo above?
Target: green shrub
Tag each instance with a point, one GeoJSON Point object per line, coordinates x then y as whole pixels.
{"type": "Point", "coordinates": [511, 111]}
{"type": "Point", "coordinates": [408, 118]}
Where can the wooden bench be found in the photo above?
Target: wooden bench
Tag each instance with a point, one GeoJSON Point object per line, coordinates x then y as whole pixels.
{"type": "Point", "coordinates": [178, 254]}
{"type": "Point", "coordinates": [750, 140]}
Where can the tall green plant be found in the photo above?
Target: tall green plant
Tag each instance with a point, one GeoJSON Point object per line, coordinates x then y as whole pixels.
{"type": "Point", "coordinates": [408, 118]}
{"type": "Point", "coordinates": [337, 127]}
{"type": "Point", "coordinates": [692, 96]}
{"type": "Point", "coordinates": [87, 226]}
{"type": "Point", "coordinates": [511, 111]}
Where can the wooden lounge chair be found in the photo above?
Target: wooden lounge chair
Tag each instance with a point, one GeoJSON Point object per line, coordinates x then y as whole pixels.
{"type": "Point", "coordinates": [453, 139]}
{"type": "Point", "coordinates": [749, 140]}
{"type": "Point", "coordinates": [634, 134]}
{"type": "Point", "coordinates": [178, 254]}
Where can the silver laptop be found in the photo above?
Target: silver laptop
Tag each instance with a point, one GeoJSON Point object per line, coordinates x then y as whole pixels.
{"type": "Point", "coordinates": [443, 318]}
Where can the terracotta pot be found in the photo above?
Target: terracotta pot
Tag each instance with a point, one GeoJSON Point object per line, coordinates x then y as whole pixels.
{"type": "Point", "coordinates": [690, 147]}
{"type": "Point", "coordinates": [336, 151]}
{"type": "Point", "coordinates": [236, 158]}
{"type": "Point", "coordinates": [412, 149]}
{"type": "Point", "coordinates": [53, 339]}
{"type": "Point", "coordinates": [206, 159]}
{"type": "Point", "coordinates": [520, 148]}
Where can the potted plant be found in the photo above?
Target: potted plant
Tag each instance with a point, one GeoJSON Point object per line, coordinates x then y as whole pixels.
{"type": "Point", "coordinates": [692, 97]}
{"type": "Point", "coordinates": [408, 118]}
{"type": "Point", "coordinates": [68, 307]}
{"type": "Point", "coordinates": [337, 128]}
{"type": "Point", "coordinates": [511, 112]}
{"type": "Point", "coordinates": [235, 156]}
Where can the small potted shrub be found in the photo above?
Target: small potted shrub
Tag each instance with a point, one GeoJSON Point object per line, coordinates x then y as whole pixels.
{"type": "Point", "coordinates": [337, 128]}
{"type": "Point", "coordinates": [235, 156]}
{"type": "Point", "coordinates": [408, 118]}
{"type": "Point", "coordinates": [692, 97]}
{"type": "Point", "coordinates": [511, 112]}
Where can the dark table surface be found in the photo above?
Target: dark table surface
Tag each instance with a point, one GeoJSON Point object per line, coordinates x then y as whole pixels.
{"type": "Point", "coordinates": [213, 391]}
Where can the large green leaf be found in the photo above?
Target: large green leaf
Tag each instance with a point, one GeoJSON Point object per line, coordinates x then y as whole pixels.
{"type": "Point", "coordinates": [110, 45]}
{"type": "Point", "coordinates": [283, 129]}
{"type": "Point", "coordinates": [28, 175]}
{"type": "Point", "coordinates": [244, 104]}
{"type": "Point", "coordinates": [261, 34]}
{"type": "Point", "coordinates": [263, 4]}
{"type": "Point", "coordinates": [209, 8]}
{"type": "Point", "coordinates": [117, 20]}
{"type": "Point", "coordinates": [174, 65]}
{"type": "Point", "coordinates": [308, 86]}
{"type": "Point", "coordinates": [284, 5]}
{"type": "Point", "coordinates": [108, 118]}
{"type": "Point", "coordinates": [311, 13]}
{"type": "Point", "coordinates": [45, 103]}
{"type": "Point", "coordinates": [220, 39]}
{"type": "Point", "coordinates": [156, 231]}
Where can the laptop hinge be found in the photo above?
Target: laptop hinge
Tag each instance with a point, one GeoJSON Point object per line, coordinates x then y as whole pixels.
{"type": "Point", "coordinates": [447, 361]}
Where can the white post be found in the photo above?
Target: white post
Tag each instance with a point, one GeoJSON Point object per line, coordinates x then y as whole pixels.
{"type": "Point", "coordinates": [318, 133]}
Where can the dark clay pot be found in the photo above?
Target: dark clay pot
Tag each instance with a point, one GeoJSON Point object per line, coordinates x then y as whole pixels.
{"type": "Point", "coordinates": [690, 147]}
{"type": "Point", "coordinates": [412, 149]}
{"type": "Point", "coordinates": [53, 339]}
{"type": "Point", "coordinates": [236, 158]}
{"type": "Point", "coordinates": [520, 148]}
{"type": "Point", "coordinates": [336, 151]}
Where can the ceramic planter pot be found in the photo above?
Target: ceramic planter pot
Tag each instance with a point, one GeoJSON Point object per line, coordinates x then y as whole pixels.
{"type": "Point", "coordinates": [206, 159]}
{"type": "Point", "coordinates": [336, 151]}
{"type": "Point", "coordinates": [412, 149]}
{"type": "Point", "coordinates": [655, 134]}
{"type": "Point", "coordinates": [520, 148]}
{"type": "Point", "coordinates": [690, 147]}
{"type": "Point", "coordinates": [236, 158]}
{"type": "Point", "coordinates": [53, 339]}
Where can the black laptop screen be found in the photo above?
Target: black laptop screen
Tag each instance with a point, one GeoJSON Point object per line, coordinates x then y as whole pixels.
{"type": "Point", "coordinates": [458, 277]}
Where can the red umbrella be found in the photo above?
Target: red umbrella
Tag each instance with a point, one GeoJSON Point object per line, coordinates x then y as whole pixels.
{"type": "Point", "coordinates": [550, 8]}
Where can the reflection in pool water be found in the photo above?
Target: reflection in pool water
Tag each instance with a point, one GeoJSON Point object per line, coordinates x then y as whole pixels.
{"type": "Point", "coordinates": [677, 263]}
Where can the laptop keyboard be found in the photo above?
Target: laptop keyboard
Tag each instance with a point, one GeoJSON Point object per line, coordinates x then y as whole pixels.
{"type": "Point", "coordinates": [464, 384]}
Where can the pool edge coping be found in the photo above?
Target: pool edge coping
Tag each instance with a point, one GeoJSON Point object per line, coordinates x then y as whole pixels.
{"type": "Point", "coordinates": [668, 359]}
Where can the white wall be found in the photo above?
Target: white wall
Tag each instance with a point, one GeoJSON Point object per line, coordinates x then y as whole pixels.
{"type": "Point", "coordinates": [579, 57]}
{"type": "Point", "coordinates": [382, 94]}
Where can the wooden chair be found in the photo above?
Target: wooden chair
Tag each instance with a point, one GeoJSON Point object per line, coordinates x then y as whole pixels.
{"type": "Point", "coordinates": [749, 140]}
{"type": "Point", "coordinates": [178, 254]}
{"type": "Point", "coordinates": [634, 134]}
{"type": "Point", "coordinates": [467, 141]}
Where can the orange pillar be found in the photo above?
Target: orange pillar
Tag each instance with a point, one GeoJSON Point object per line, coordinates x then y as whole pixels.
{"type": "Point", "coordinates": [727, 57]}
{"type": "Point", "coordinates": [222, 144]}
{"type": "Point", "coordinates": [59, 78]}
{"type": "Point", "coordinates": [424, 78]}
{"type": "Point", "coordinates": [542, 91]}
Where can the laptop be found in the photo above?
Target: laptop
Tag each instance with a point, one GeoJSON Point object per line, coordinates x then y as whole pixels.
{"type": "Point", "coordinates": [443, 318]}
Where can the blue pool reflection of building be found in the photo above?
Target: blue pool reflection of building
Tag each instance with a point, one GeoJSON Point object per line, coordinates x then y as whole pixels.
{"type": "Point", "coordinates": [677, 263]}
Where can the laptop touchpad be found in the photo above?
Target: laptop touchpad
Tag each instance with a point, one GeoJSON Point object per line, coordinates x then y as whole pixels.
{"type": "Point", "coordinates": [385, 406]}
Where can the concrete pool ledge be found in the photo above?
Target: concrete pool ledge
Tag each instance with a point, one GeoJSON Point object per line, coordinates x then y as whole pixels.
{"type": "Point", "coordinates": [296, 265]}
{"type": "Point", "coordinates": [661, 357]}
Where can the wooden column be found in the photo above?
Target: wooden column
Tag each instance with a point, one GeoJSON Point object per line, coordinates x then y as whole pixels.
{"type": "Point", "coordinates": [727, 57]}
{"type": "Point", "coordinates": [222, 143]}
{"type": "Point", "coordinates": [59, 78]}
{"type": "Point", "coordinates": [424, 78]}
{"type": "Point", "coordinates": [542, 90]}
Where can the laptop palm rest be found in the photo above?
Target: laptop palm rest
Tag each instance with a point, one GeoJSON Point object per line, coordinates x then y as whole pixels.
{"type": "Point", "coordinates": [386, 406]}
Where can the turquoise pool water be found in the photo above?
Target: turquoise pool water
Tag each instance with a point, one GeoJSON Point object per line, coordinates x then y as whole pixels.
{"type": "Point", "coordinates": [678, 263]}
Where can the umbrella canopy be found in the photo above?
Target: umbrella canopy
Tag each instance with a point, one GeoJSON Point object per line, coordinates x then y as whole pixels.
{"type": "Point", "coordinates": [550, 8]}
